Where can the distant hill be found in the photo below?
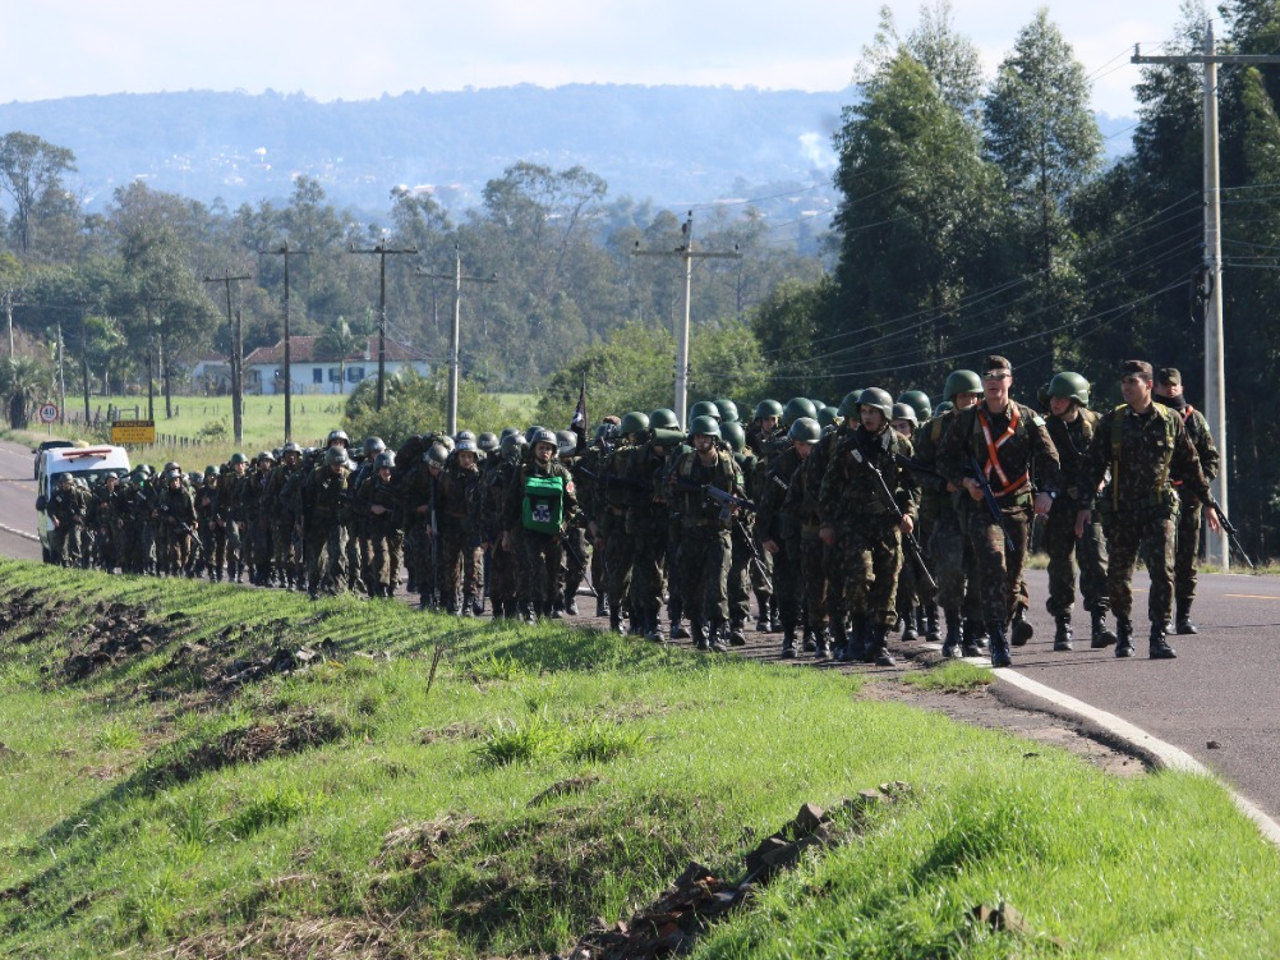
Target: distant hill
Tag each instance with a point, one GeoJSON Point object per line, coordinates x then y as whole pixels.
{"type": "Point", "coordinates": [673, 145]}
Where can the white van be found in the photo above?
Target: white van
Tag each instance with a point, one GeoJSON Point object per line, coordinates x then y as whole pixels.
{"type": "Point", "coordinates": [88, 463]}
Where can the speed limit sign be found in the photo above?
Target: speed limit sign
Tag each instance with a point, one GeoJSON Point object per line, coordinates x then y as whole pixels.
{"type": "Point", "coordinates": [48, 412]}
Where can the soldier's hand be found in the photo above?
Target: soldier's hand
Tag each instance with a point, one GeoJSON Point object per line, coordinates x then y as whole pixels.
{"type": "Point", "coordinates": [506, 540]}
{"type": "Point", "coordinates": [1082, 521]}
{"type": "Point", "coordinates": [377, 509]}
{"type": "Point", "coordinates": [1215, 524]}
{"type": "Point", "coordinates": [1044, 503]}
{"type": "Point", "coordinates": [974, 488]}
{"type": "Point", "coordinates": [907, 525]}
{"type": "Point", "coordinates": [772, 546]}
{"type": "Point", "coordinates": [827, 535]}
{"type": "Point", "coordinates": [591, 527]}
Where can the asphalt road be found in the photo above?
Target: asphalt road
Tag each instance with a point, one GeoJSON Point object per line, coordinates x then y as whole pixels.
{"type": "Point", "coordinates": [1223, 689]}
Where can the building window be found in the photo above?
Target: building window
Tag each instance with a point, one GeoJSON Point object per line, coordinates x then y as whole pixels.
{"type": "Point", "coordinates": [317, 375]}
{"type": "Point", "coordinates": [355, 374]}
{"type": "Point", "coordinates": [335, 374]}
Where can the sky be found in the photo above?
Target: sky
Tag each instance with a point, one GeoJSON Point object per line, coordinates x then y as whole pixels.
{"type": "Point", "coordinates": [332, 50]}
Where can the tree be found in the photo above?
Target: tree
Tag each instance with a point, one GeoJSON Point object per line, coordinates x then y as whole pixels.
{"type": "Point", "coordinates": [339, 343]}
{"type": "Point", "coordinates": [415, 404]}
{"type": "Point", "coordinates": [30, 168]}
{"type": "Point", "coordinates": [1040, 131]}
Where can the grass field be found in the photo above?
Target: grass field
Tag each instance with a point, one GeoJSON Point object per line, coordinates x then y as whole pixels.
{"type": "Point", "coordinates": [170, 791]}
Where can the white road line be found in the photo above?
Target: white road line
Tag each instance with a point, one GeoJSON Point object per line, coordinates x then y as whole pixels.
{"type": "Point", "coordinates": [1165, 753]}
{"type": "Point", "coordinates": [25, 534]}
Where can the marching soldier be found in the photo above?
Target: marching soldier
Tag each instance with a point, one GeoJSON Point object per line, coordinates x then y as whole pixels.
{"type": "Point", "coordinates": [1147, 449]}
{"type": "Point", "coordinates": [1168, 390]}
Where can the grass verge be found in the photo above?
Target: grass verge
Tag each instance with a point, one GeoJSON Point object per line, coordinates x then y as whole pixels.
{"type": "Point", "coordinates": [193, 770]}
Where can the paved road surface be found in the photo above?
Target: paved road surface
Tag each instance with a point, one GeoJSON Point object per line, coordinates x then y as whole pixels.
{"type": "Point", "coordinates": [1224, 687]}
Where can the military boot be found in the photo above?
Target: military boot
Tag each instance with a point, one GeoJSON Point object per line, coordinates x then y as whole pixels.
{"type": "Point", "coordinates": [527, 612]}
{"type": "Point", "coordinates": [1185, 626]}
{"type": "Point", "coordinates": [857, 645]}
{"type": "Point", "coordinates": [931, 632]}
{"type": "Point", "coordinates": [1020, 631]}
{"type": "Point", "coordinates": [615, 622]}
{"type": "Point", "coordinates": [1100, 636]}
{"type": "Point", "coordinates": [878, 649]}
{"type": "Point", "coordinates": [1124, 638]}
{"type": "Point", "coordinates": [975, 638]}
{"type": "Point", "coordinates": [675, 610]}
{"type": "Point", "coordinates": [822, 648]}
{"type": "Point", "coordinates": [1000, 656]}
{"type": "Point", "coordinates": [951, 643]}
{"type": "Point", "coordinates": [839, 640]}
{"type": "Point", "coordinates": [737, 633]}
{"type": "Point", "coordinates": [1062, 635]}
{"type": "Point", "coordinates": [1160, 649]}
{"type": "Point", "coordinates": [810, 641]}
{"type": "Point", "coordinates": [909, 634]}
{"type": "Point", "coordinates": [699, 634]}
{"type": "Point", "coordinates": [602, 605]}
{"type": "Point", "coordinates": [468, 606]}
{"type": "Point", "coordinates": [764, 623]}
{"type": "Point", "coordinates": [788, 643]}
{"type": "Point", "coordinates": [571, 601]}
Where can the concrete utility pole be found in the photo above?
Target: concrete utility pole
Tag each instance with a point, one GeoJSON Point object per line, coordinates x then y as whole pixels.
{"type": "Point", "coordinates": [234, 334]}
{"type": "Point", "coordinates": [1215, 409]}
{"type": "Point", "coordinates": [451, 414]}
{"type": "Point", "coordinates": [285, 252]}
{"type": "Point", "coordinates": [686, 252]}
{"type": "Point", "coordinates": [382, 250]}
{"type": "Point", "coordinates": [151, 357]}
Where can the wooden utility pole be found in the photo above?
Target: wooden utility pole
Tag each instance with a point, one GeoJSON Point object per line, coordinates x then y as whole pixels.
{"type": "Point", "coordinates": [233, 333]}
{"type": "Point", "coordinates": [455, 332]}
{"type": "Point", "coordinates": [686, 252]}
{"type": "Point", "coordinates": [151, 356]}
{"type": "Point", "coordinates": [383, 251]}
{"type": "Point", "coordinates": [285, 252]}
{"type": "Point", "coordinates": [1215, 409]}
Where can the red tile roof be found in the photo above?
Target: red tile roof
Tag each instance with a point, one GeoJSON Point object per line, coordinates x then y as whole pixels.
{"type": "Point", "coordinates": [303, 350]}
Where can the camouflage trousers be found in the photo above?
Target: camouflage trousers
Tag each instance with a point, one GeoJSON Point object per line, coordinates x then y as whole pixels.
{"type": "Point", "coordinates": [875, 553]}
{"type": "Point", "coordinates": [619, 550]}
{"type": "Point", "coordinates": [1127, 533]}
{"type": "Point", "coordinates": [326, 546]}
{"type": "Point", "coordinates": [540, 557]}
{"type": "Point", "coordinates": [386, 544]}
{"type": "Point", "coordinates": [649, 573]}
{"type": "Point", "coordinates": [502, 575]}
{"type": "Point", "coordinates": [952, 557]}
{"type": "Point", "coordinates": [742, 575]}
{"type": "Point", "coordinates": [999, 565]}
{"type": "Point", "coordinates": [847, 580]}
{"type": "Point", "coordinates": [1190, 513]}
{"type": "Point", "coordinates": [704, 557]}
{"type": "Point", "coordinates": [459, 562]}
{"type": "Point", "coordinates": [1065, 552]}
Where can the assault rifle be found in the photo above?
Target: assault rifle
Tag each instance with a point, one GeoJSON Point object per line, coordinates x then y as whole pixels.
{"type": "Point", "coordinates": [989, 496]}
{"type": "Point", "coordinates": [908, 539]}
{"type": "Point", "coordinates": [1230, 529]}
{"type": "Point", "coordinates": [728, 501]}
{"type": "Point", "coordinates": [915, 466]}
{"type": "Point", "coordinates": [571, 545]}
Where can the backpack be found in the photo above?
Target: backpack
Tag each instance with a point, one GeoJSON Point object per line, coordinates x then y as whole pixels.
{"type": "Point", "coordinates": [543, 504]}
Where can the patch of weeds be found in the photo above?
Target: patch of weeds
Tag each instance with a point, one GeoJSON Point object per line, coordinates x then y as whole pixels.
{"type": "Point", "coordinates": [191, 819]}
{"type": "Point", "coordinates": [117, 735]}
{"type": "Point", "coordinates": [290, 735]}
{"type": "Point", "coordinates": [275, 805]}
{"type": "Point", "coordinates": [602, 742]}
{"type": "Point", "coordinates": [952, 676]}
{"type": "Point", "coordinates": [496, 667]}
{"type": "Point", "coordinates": [520, 742]}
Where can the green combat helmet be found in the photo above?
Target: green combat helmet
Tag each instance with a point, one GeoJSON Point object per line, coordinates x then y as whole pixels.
{"type": "Point", "coordinates": [827, 416]}
{"type": "Point", "coordinates": [796, 408]}
{"type": "Point", "coordinates": [877, 399]}
{"type": "Point", "coordinates": [1070, 385]}
{"type": "Point", "coordinates": [805, 430]}
{"type": "Point", "coordinates": [664, 419]}
{"type": "Point", "coordinates": [705, 426]}
{"type": "Point", "coordinates": [961, 381]}
{"type": "Point", "coordinates": [919, 402]}
{"type": "Point", "coordinates": [336, 456]}
{"type": "Point", "coordinates": [238, 457]}
{"type": "Point", "coordinates": [732, 431]}
{"type": "Point", "coordinates": [704, 408]}
{"type": "Point", "coordinates": [634, 422]}
{"type": "Point", "coordinates": [849, 405]}
{"type": "Point", "coordinates": [728, 410]}
{"type": "Point", "coordinates": [905, 411]}
{"type": "Point", "coordinates": [768, 408]}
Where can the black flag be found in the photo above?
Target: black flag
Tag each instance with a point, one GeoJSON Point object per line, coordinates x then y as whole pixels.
{"type": "Point", "coordinates": [579, 422]}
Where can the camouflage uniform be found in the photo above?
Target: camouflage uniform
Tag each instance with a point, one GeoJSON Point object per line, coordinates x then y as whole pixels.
{"type": "Point", "coordinates": [1190, 512]}
{"type": "Point", "coordinates": [212, 535]}
{"type": "Point", "coordinates": [1005, 446]}
{"type": "Point", "coordinates": [785, 522]}
{"type": "Point", "coordinates": [68, 507]}
{"type": "Point", "coordinates": [177, 513]}
{"type": "Point", "coordinates": [495, 479]}
{"type": "Point", "coordinates": [386, 539]}
{"type": "Point", "coordinates": [326, 510]}
{"type": "Point", "coordinates": [853, 504]}
{"type": "Point", "coordinates": [705, 550]}
{"type": "Point", "coordinates": [1146, 453]}
{"type": "Point", "coordinates": [539, 554]}
{"type": "Point", "coordinates": [646, 524]}
{"type": "Point", "coordinates": [1072, 439]}
{"type": "Point", "coordinates": [457, 495]}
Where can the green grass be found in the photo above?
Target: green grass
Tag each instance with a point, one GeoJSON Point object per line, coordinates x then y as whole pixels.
{"type": "Point", "coordinates": [549, 776]}
{"type": "Point", "coordinates": [951, 676]}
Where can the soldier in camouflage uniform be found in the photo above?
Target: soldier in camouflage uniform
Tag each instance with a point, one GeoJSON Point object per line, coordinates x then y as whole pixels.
{"type": "Point", "coordinates": [212, 535]}
{"type": "Point", "coordinates": [705, 549]}
{"type": "Point", "coordinates": [1072, 425]}
{"type": "Point", "coordinates": [857, 515]}
{"type": "Point", "coordinates": [1004, 441]}
{"type": "Point", "coordinates": [326, 509]}
{"type": "Point", "coordinates": [495, 479]}
{"type": "Point", "coordinates": [789, 533]}
{"type": "Point", "coordinates": [617, 494]}
{"type": "Point", "coordinates": [1146, 447]}
{"type": "Point", "coordinates": [232, 490]}
{"type": "Point", "coordinates": [1168, 391]}
{"type": "Point", "coordinates": [176, 509]}
{"type": "Point", "coordinates": [378, 501]}
{"type": "Point", "coordinates": [68, 508]}
{"type": "Point", "coordinates": [283, 494]}
{"type": "Point", "coordinates": [457, 498]}
{"type": "Point", "coordinates": [540, 504]}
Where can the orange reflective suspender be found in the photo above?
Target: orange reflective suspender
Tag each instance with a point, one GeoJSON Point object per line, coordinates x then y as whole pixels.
{"type": "Point", "coordinates": [993, 460]}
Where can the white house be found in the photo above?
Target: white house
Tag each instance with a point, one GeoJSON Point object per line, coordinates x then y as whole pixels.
{"type": "Point", "coordinates": [316, 373]}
